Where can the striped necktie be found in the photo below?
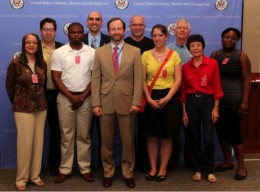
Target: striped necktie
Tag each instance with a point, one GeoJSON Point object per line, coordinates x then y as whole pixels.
{"type": "Point", "coordinates": [93, 43]}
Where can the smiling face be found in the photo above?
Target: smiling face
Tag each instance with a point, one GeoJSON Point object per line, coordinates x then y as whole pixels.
{"type": "Point", "coordinates": [159, 37]}
{"type": "Point", "coordinates": [182, 30]}
{"type": "Point", "coordinates": [31, 44]}
{"type": "Point", "coordinates": [48, 32]}
{"type": "Point", "coordinates": [196, 49]}
{"type": "Point", "coordinates": [229, 40]}
{"type": "Point", "coordinates": [116, 31]}
{"type": "Point", "coordinates": [94, 22]}
{"type": "Point", "coordinates": [137, 27]}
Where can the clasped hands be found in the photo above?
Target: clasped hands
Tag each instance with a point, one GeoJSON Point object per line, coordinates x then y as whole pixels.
{"type": "Point", "coordinates": [158, 104]}
{"type": "Point", "coordinates": [77, 101]}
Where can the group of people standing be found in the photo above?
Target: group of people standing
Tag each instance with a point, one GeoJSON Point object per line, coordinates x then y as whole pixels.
{"type": "Point", "coordinates": [107, 76]}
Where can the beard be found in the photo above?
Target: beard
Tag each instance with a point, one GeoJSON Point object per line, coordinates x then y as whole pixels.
{"type": "Point", "coordinates": [117, 38]}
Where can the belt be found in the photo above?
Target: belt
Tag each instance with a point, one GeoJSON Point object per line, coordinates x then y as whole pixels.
{"type": "Point", "coordinates": [52, 90]}
{"type": "Point", "coordinates": [76, 93]}
{"type": "Point", "coordinates": [199, 94]}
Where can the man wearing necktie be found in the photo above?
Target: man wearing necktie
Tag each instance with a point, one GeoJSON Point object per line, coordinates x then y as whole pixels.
{"type": "Point", "coordinates": [95, 38]}
{"type": "Point", "coordinates": [116, 98]}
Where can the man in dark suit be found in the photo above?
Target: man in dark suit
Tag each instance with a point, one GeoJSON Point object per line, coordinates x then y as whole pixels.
{"type": "Point", "coordinates": [116, 93]}
{"type": "Point", "coordinates": [48, 28]}
{"type": "Point", "coordinates": [95, 38]}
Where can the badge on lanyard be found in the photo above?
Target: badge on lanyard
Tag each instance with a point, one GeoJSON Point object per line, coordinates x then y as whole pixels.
{"type": "Point", "coordinates": [203, 82]}
{"type": "Point", "coordinates": [165, 73]}
{"type": "Point", "coordinates": [34, 78]}
{"type": "Point", "coordinates": [77, 59]}
{"type": "Point", "coordinates": [225, 61]}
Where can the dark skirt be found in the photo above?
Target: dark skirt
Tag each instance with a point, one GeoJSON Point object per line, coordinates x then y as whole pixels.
{"type": "Point", "coordinates": [161, 123]}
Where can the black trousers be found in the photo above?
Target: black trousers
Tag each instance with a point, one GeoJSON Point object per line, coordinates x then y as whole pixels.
{"type": "Point", "coordinates": [199, 111]}
{"type": "Point", "coordinates": [142, 160]}
{"type": "Point", "coordinates": [96, 124]}
{"type": "Point", "coordinates": [53, 122]}
{"type": "Point", "coordinates": [189, 159]}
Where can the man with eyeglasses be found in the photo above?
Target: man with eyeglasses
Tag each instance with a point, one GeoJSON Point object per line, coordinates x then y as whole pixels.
{"type": "Point", "coordinates": [182, 32]}
{"type": "Point", "coordinates": [137, 39]}
{"type": "Point", "coordinates": [95, 38]}
{"type": "Point", "coordinates": [48, 28]}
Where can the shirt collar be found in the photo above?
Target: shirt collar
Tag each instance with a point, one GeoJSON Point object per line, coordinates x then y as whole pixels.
{"type": "Point", "coordinates": [44, 46]}
{"type": "Point", "coordinates": [205, 61]}
{"type": "Point", "coordinates": [120, 46]}
{"type": "Point", "coordinates": [180, 46]}
{"type": "Point", "coordinates": [97, 37]}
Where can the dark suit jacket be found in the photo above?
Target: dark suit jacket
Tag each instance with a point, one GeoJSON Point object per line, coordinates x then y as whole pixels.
{"type": "Point", "coordinates": [105, 39]}
{"type": "Point", "coordinates": [58, 44]}
{"type": "Point", "coordinates": [117, 92]}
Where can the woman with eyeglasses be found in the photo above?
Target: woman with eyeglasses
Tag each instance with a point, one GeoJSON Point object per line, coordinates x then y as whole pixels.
{"type": "Point", "coordinates": [25, 81]}
{"type": "Point", "coordinates": [235, 73]}
{"type": "Point", "coordinates": [200, 95]}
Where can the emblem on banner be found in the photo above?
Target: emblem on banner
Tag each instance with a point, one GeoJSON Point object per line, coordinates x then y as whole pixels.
{"type": "Point", "coordinates": [221, 4]}
{"type": "Point", "coordinates": [65, 28]}
{"type": "Point", "coordinates": [16, 54]}
{"type": "Point", "coordinates": [171, 28]}
{"type": "Point", "coordinates": [17, 4]}
{"type": "Point", "coordinates": [121, 4]}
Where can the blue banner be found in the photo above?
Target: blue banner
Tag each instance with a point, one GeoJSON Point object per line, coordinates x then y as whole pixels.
{"type": "Point", "coordinates": [18, 17]}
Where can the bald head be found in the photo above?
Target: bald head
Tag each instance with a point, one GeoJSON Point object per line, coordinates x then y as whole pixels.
{"type": "Point", "coordinates": [94, 22]}
{"type": "Point", "coordinates": [137, 27]}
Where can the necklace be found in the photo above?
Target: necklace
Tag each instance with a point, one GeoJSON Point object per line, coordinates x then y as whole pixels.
{"type": "Point", "coordinates": [159, 55]}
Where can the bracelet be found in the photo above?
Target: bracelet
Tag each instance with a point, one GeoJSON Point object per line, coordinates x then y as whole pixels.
{"type": "Point", "coordinates": [216, 106]}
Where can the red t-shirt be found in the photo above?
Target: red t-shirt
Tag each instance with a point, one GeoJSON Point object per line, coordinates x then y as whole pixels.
{"type": "Point", "coordinates": [204, 79]}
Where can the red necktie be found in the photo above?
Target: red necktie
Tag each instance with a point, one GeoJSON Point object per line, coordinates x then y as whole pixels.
{"type": "Point", "coordinates": [115, 59]}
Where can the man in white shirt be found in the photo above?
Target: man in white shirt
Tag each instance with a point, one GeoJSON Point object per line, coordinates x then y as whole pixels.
{"type": "Point", "coordinates": [71, 74]}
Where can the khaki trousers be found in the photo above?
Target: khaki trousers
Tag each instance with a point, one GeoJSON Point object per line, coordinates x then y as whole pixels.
{"type": "Point", "coordinates": [75, 124]}
{"type": "Point", "coordinates": [30, 135]}
{"type": "Point", "coordinates": [126, 125]}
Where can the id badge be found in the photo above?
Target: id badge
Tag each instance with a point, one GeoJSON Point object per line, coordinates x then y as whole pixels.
{"type": "Point", "coordinates": [77, 59]}
{"type": "Point", "coordinates": [35, 78]}
{"type": "Point", "coordinates": [225, 61]}
{"type": "Point", "coordinates": [165, 73]}
{"type": "Point", "coordinates": [203, 82]}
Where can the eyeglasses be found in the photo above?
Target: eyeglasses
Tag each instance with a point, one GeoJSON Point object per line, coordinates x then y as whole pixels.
{"type": "Point", "coordinates": [31, 42]}
{"type": "Point", "coordinates": [48, 29]}
{"type": "Point", "coordinates": [94, 19]}
{"type": "Point", "coordinates": [137, 25]}
{"type": "Point", "coordinates": [182, 28]}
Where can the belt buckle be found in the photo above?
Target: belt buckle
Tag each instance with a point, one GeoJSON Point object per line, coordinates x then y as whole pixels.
{"type": "Point", "coordinates": [198, 94]}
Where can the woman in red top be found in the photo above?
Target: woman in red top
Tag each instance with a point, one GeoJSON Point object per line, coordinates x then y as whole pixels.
{"type": "Point", "coordinates": [200, 94]}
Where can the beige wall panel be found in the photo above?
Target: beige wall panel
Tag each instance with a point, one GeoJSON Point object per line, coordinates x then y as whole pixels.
{"type": "Point", "coordinates": [251, 32]}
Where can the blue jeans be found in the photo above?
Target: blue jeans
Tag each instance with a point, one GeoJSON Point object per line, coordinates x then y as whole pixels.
{"type": "Point", "coordinates": [199, 110]}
